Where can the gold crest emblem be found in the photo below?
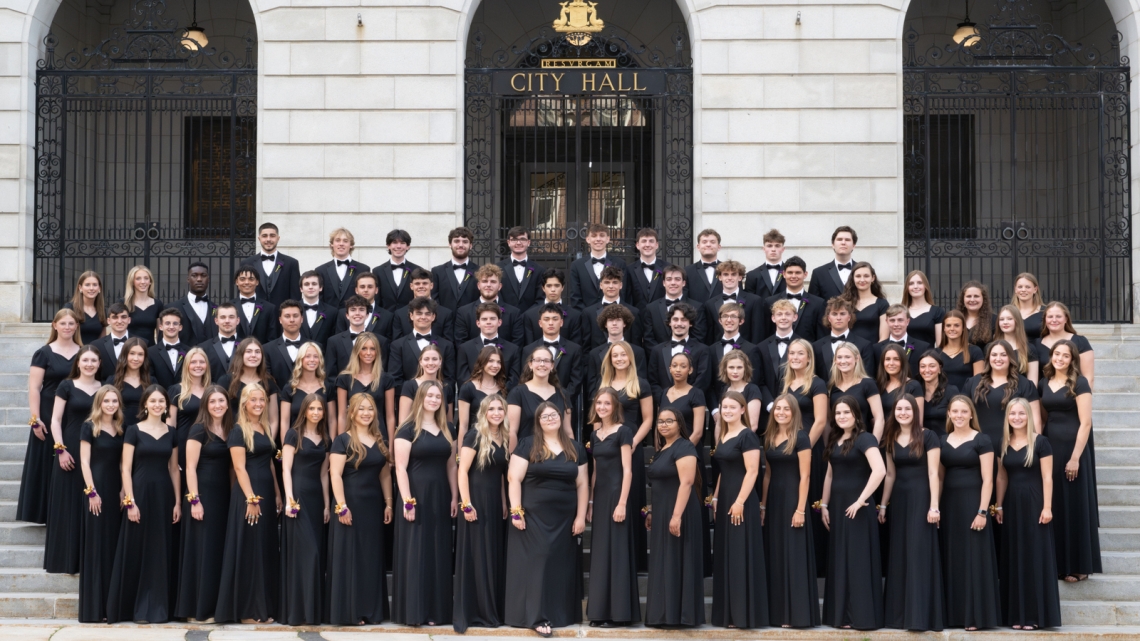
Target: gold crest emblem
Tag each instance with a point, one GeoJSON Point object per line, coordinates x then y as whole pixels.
{"type": "Point", "coordinates": [578, 19]}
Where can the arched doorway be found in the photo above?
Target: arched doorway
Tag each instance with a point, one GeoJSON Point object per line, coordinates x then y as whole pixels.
{"type": "Point", "coordinates": [1017, 151]}
{"type": "Point", "coordinates": [145, 145]}
{"type": "Point", "coordinates": [576, 113]}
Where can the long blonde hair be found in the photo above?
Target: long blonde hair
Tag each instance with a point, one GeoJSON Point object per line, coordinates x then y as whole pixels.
{"type": "Point", "coordinates": [299, 368]}
{"type": "Point", "coordinates": [632, 388]}
{"type": "Point", "coordinates": [771, 433]}
{"type": "Point", "coordinates": [484, 444]}
{"type": "Point", "coordinates": [430, 347]}
{"type": "Point", "coordinates": [790, 374]}
{"type": "Point", "coordinates": [96, 416]}
{"type": "Point", "coordinates": [1020, 341]}
{"type": "Point", "coordinates": [75, 316]}
{"type": "Point", "coordinates": [356, 448]}
{"type": "Point", "coordinates": [416, 416]}
{"type": "Point", "coordinates": [1030, 430]}
{"type": "Point", "coordinates": [721, 424]}
{"type": "Point", "coordinates": [185, 390]}
{"type": "Point", "coordinates": [857, 373]}
{"type": "Point", "coordinates": [243, 419]}
{"type": "Point", "coordinates": [962, 398]}
{"type": "Point", "coordinates": [129, 292]}
{"type": "Point", "coordinates": [354, 366]}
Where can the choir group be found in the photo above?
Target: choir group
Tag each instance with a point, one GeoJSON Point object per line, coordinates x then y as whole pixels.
{"type": "Point", "coordinates": [275, 456]}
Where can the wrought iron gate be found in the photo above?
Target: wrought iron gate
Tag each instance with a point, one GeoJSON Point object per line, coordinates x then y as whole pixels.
{"type": "Point", "coordinates": [555, 155]}
{"type": "Point", "coordinates": [1017, 160]}
{"type": "Point", "coordinates": [145, 154]}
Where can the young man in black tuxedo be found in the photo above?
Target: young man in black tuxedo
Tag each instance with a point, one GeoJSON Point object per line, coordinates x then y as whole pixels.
{"type": "Point", "coordinates": [453, 283]}
{"type": "Point", "coordinates": [110, 346]}
{"type": "Point", "coordinates": [167, 355]}
{"type": "Point", "coordinates": [586, 272]}
{"type": "Point", "coordinates": [380, 321]}
{"type": "Point", "coordinates": [220, 349]}
{"type": "Point", "coordinates": [404, 357]}
{"type": "Point", "coordinates": [338, 276]}
{"type": "Point", "coordinates": [645, 276]}
{"type": "Point", "coordinates": [898, 319]}
{"type": "Point", "coordinates": [809, 308]}
{"type": "Point", "coordinates": [319, 318]}
{"type": "Point", "coordinates": [196, 308]}
{"type": "Point", "coordinates": [681, 319]}
{"type": "Point", "coordinates": [773, 351]}
{"type": "Point", "coordinates": [701, 283]}
{"type": "Point", "coordinates": [489, 279]}
{"type": "Point", "coordinates": [566, 352]}
{"type": "Point", "coordinates": [614, 321]}
{"type": "Point", "coordinates": [522, 288]}
{"type": "Point", "coordinates": [553, 288]}
{"type": "Point", "coordinates": [655, 316]}
{"type": "Point", "coordinates": [610, 284]}
{"type": "Point", "coordinates": [280, 274]}
{"type": "Point", "coordinates": [730, 273]}
{"type": "Point", "coordinates": [258, 317]}
{"type": "Point", "coordinates": [838, 319]}
{"type": "Point", "coordinates": [340, 345]}
{"type": "Point", "coordinates": [828, 280]}
{"type": "Point", "coordinates": [732, 317]}
{"type": "Point", "coordinates": [281, 353]}
{"type": "Point", "coordinates": [488, 325]}
{"type": "Point", "coordinates": [767, 280]}
{"type": "Point", "coordinates": [392, 276]}
{"type": "Point", "coordinates": [444, 324]}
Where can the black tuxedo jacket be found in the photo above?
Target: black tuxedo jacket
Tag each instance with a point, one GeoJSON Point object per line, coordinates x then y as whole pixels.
{"type": "Point", "coordinates": [380, 322]}
{"type": "Point", "coordinates": [450, 293]}
{"type": "Point", "coordinates": [219, 360]}
{"type": "Point", "coordinates": [809, 321]}
{"type": "Point", "coordinates": [264, 325]}
{"type": "Point", "coordinates": [521, 295]}
{"type": "Point", "coordinates": [195, 331]}
{"type": "Point", "coordinates": [914, 354]}
{"type": "Point", "coordinates": [568, 363]}
{"type": "Point", "coordinates": [404, 359]}
{"type": "Point", "coordinates": [597, 336]}
{"type": "Point", "coordinates": [659, 377]}
{"type": "Point", "coordinates": [642, 291]}
{"type": "Point", "coordinates": [282, 284]}
{"type": "Point", "coordinates": [655, 324]}
{"type": "Point", "coordinates": [751, 330]}
{"type": "Point", "coordinates": [759, 282]}
{"type": "Point", "coordinates": [511, 330]}
{"type": "Point", "coordinates": [593, 373]}
{"type": "Point", "coordinates": [825, 281]}
{"type": "Point", "coordinates": [697, 286]}
{"type": "Point", "coordinates": [107, 358]}
{"type": "Point", "coordinates": [771, 372]}
{"type": "Point", "coordinates": [443, 325]}
{"type": "Point", "coordinates": [323, 326]}
{"type": "Point", "coordinates": [468, 353]}
{"type": "Point", "coordinates": [393, 296]}
{"type": "Point", "coordinates": [336, 291]}
{"type": "Point", "coordinates": [825, 356]}
{"type": "Point", "coordinates": [160, 368]}
{"type": "Point", "coordinates": [280, 364]}
{"type": "Point", "coordinates": [339, 351]}
{"type": "Point", "coordinates": [584, 289]}
{"type": "Point", "coordinates": [573, 325]}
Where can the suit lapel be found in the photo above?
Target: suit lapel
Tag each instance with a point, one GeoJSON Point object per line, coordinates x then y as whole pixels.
{"type": "Point", "coordinates": [774, 353]}
{"type": "Point", "coordinates": [285, 354]}
{"type": "Point", "coordinates": [834, 271]}
{"type": "Point", "coordinates": [221, 352]}
{"type": "Point", "coordinates": [462, 286]}
{"type": "Point", "coordinates": [188, 311]}
{"type": "Point", "coordinates": [271, 279]}
{"type": "Point", "coordinates": [349, 275]}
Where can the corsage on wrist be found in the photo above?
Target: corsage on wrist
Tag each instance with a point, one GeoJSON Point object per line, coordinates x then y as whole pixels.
{"type": "Point", "coordinates": [409, 504]}
{"type": "Point", "coordinates": [294, 507]}
{"type": "Point", "coordinates": [253, 499]}
{"type": "Point", "coordinates": [646, 511]}
{"type": "Point", "coordinates": [90, 492]}
{"type": "Point", "coordinates": [59, 447]}
{"type": "Point", "coordinates": [709, 500]}
{"type": "Point", "coordinates": [517, 513]}
{"type": "Point", "coordinates": [128, 501]}
{"type": "Point", "coordinates": [341, 509]}
{"type": "Point", "coordinates": [193, 499]}
{"type": "Point", "coordinates": [466, 507]}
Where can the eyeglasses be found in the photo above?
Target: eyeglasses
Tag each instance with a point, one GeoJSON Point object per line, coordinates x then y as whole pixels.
{"type": "Point", "coordinates": [666, 421]}
{"type": "Point", "coordinates": [541, 361]}
{"type": "Point", "coordinates": [549, 417]}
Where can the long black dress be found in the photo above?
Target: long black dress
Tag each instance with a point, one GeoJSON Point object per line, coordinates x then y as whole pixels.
{"type": "Point", "coordinates": [39, 458]}
{"type": "Point", "coordinates": [480, 547]}
{"type": "Point", "coordinates": [891, 398]}
{"type": "Point", "coordinates": [303, 549]}
{"type": "Point", "coordinates": [187, 415]}
{"type": "Point", "coordinates": [1028, 572]}
{"type": "Point", "coordinates": [130, 396]}
{"type": "Point", "coordinates": [352, 387]}
{"type": "Point", "coordinates": [862, 391]}
{"type": "Point", "coordinates": [956, 369]}
{"type": "Point", "coordinates": [100, 533]}
{"type": "Point", "coordinates": [934, 414]}
{"type": "Point", "coordinates": [921, 327]}
{"type": "Point", "coordinates": [1033, 324]}
{"type": "Point", "coordinates": [199, 573]}
{"type": "Point", "coordinates": [631, 418]}
{"type": "Point", "coordinates": [421, 558]}
{"type": "Point", "coordinates": [675, 590]}
{"type": "Point", "coordinates": [249, 583]}
{"type": "Point", "coordinates": [819, 534]}
{"type": "Point", "coordinates": [683, 405]}
{"type": "Point", "coordinates": [969, 560]}
{"type": "Point", "coordinates": [294, 397]}
{"type": "Point", "coordinates": [740, 594]}
{"type": "Point", "coordinates": [357, 581]}
{"type": "Point", "coordinates": [544, 576]}
{"type": "Point", "coordinates": [473, 396]}
{"type": "Point", "coordinates": [853, 595]}
{"type": "Point", "coordinates": [1043, 352]}
{"type": "Point", "coordinates": [913, 599]}
{"type": "Point", "coordinates": [613, 594]}
{"type": "Point", "coordinates": [141, 578]}
{"type": "Point", "coordinates": [66, 503]}
{"type": "Point", "coordinates": [1076, 511]}
{"type": "Point", "coordinates": [144, 321]}
{"type": "Point", "coordinates": [793, 596]}
{"type": "Point", "coordinates": [90, 329]}
{"type": "Point", "coordinates": [866, 322]}
{"type": "Point", "coordinates": [528, 402]}
{"type": "Point", "coordinates": [991, 412]}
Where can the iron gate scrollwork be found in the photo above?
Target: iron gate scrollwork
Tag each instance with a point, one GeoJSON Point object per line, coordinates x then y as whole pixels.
{"type": "Point", "coordinates": [145, 154]}
{"type": "Point", "coordinates": [1017, 160]}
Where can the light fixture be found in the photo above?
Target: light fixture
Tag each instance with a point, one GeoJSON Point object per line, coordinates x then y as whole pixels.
{"type": "Point", "coordinates": [195, 37]}
{"type": "Point", "coordinates": [965, 31]}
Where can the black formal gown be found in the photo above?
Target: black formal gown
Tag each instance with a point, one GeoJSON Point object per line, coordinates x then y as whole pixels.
{"type": "Point", "coordinates": [914, 568]}
{"type": "Point", "coordinates": [187, 416]}
{"type": "Point", "coordinates": [236, 400]}
{"type": "Point", "coordinates": [819, 534]}
{"type": "Point", "coordinates": [683, 405]}
{"type": "Point", "coordinates": [1076, 512]}
{"type": "Point", "coordinates": [854, 590]}
{"type": "Point", "coordinates": [528, 402]}
{"type": "Point", "coordinates": [421, 559]}
{"type": "Point", "coordinates": [295, 396]}
{"type": "Point", "coordinates": [66, 503]}
{"type": "Point", "coordinates": [39, 458]}
{"type": "Point", "coordinates": [480, 547]}
{"type": "Point", "coordinates": [303, 544]}
{"type": "Point", "coordinates": [1028, 571]}
{"type": "Point", "coordinates": [250, 563]}
{"type": "Point", "coordinates": [922, 326]}
{"type": "Point", "coordinates": [473, 396]}
{"type": "Point", "coordinates": [957, 370]}
{"type": "Point", "coordinates": [613, 594]}
{"type": "Point", "coordinates": [793, 595]}
{"type": "Point", "coordinates": [544, 576]}
{"type": "Point", "coordinates": [141, 578]}
{"type": "Point", "coordinates": [740, 594]}
{"type": "Point", "coordinates": [357, 580]}
{"type": "Point", "coordinates": [352, 387]}
{"type": "Point", "coordinates": [934, 412]}
{"type": "Point", "coordinates": [144, 321]}
{"type": "Point", "coordinates": [131, 395]}
{"type": "Point", "coordinates": [862, 391]}
{"type": "Point", "coordinates": [1033, 324]}
{"type": "Point", "coordinates": [90, 329]}
{"type": "Point", "coordinates": [631, 418]}
{"type": "Point", "coordinates": [100, 533]}
{"type": "Point", "coordinates": [408, 390]}
{"type": "Point", "coordinates": [865, 325]}
{"type": "Point", "coordinates": [991, 410]}
{"type": "Point", "coordinates": [675, 589]}
{"type": "Point", "coordinates": [969, 560]}
{"type": "Point", "coordinates": [1081, 342]}
{"type": "Point", "coordinates": [889, 399]}
{"type": "Point", "coordinates": [200, 574]}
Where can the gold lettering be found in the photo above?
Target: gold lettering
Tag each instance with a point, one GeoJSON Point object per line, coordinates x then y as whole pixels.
{"type": "Point", "coordinates": [588, 79]}
{"type": "Point", "coordinates": [606, 82]}
{"type": "Point", "coordinates": [513, 82]}
{"type": "Point", "coordinates": [541, 77]}
{"type": "Point", "coordinates": [635, 87]}
{"type": "Point", "coordinates": [621, 83]}
{"type": "Point", "coordinates": [529, 79]}
{"type": "Point", "coordinates": [557, 80]}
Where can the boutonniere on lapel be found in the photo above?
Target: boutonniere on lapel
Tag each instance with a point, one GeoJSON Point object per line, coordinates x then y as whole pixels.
{"type": "Point", "coordinates": [466, 276]}
{"type": "Point", "coordinates": [256, 310]}
{"type": "Point", "coordinates": [320, 317]}
{"type": "Point", "coordinates": [351, 271]}
{"type": "Point", "coordinates": [909, 348]}
{"type": "Point", "coordinates": [657, 273]}
{"type": "Point", "coordinates": [181, 355]}
{"type": "Point", "coordinates": [802, 304]}
{"type": "Point", "coordinates": [528, 272]}
{"type": "Point", "coordinates": [213, 310]}
{"type": "Point", "coordinates": [779, 276]}
{"type": "Point", "coordinates": [277, 267]}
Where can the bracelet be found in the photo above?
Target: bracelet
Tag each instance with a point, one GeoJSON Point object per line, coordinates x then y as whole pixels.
{"type": "Point", "coordinates": [590, 502]}
{"type": "Point", "coordinates": [127, 501]}
{"type": "Point", "coordinates": [935, 510]}
{"type": "Point", "coordinates": [59, 447]}
{"type": "Point", "coordinates": [341, 509]}
{"type": "Point", "coordinates": [982, 512]}
{"type": "Point", "coordinates": [388, 501]}
{"type": "Point", "coordinates": [881, 507]}
{"type": "Point", "coordinates": [193, 498]}
{"type": "Point", "coordinates": [646, 510]}
{"type": "Point", "coordinates": [294, 507]}
{"type": "Point", "coordinates": [409, 504]}
{"type": "Point", "coordinates": [466, 507]}
{"type": "Point", "coordinates": [517, 513]}
{"type": "Point", "coordinates": [90, 492]}
{"type": "Point", "coordinates": [253, 499]}
{"type": "Point", "coordinates": [763, 508]}
{"type": "Point", "coordinates": [801, 512]}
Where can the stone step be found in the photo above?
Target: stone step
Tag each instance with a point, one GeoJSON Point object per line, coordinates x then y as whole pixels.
{"type": "Point", "coordinates": [17, 382]}
{"type": "Point", "coordinates": [1103, 587]}
{"type": "Point", "coordinates": [1114, 456]}
{"type": "Point", "coordinates": [14, 433]}
{"type": "Point", "coordinates": [39, 605]}
{"type": "Point", "coordinates": [1119, 516]}
{"type": "Point", "coordinates": [36, 580]}
{"type": "Point", "coordinates": [1114, 367]}
{"type": "Point", "coordinates": [1101, 401]}
{"type": "Point", "coordinates": [1117, 494]}
{"type": "Point", "coordinates": [20, 533]}
{"type": "Point", "coordinates": [11, 471]}
{"type": "Point", "coordinates": [1118, 475]}
{"type": "Point", "coordinates": [1115, 436]}
{"type": "Point", "coordinates": [9, 490]}
{"type": "Point", "coordinates": [1099, 613]}
{"type": "Point", "coordinates": [1117, 562]}
{"type": "Point", "coordinates": [21, 556]}
{"type": "Point", "coordinates": [1124, 350]}
{"type": "Point", "coordinates": [8, 511]}
{"type": "Point", "coordinates": [1119, 539]}
{"type": "Point", "coordinates": [13, 452]}
{"type": "Point", "coordinates": [1101, 418]}
{"type": "Point", "coordinates": [1129, 384]}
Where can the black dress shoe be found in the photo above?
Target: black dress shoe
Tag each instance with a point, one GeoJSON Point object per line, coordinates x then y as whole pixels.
{"type": "Point", "coordinates": [595, 624]}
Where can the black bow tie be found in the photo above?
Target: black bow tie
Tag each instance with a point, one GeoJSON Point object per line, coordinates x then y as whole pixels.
{"type": "Point", "coordinates": [422, 337]}
{"type": "Point", "coordinates": [353, 335]}
{"type": "Point", "coordinates": [459, 266]}
{"type": "Point", "coordinates": [728, 297]}
{"type": "Point", "coordinates": [778, 266]}
{"type": "Point", "coordinates": [395, 266]}
{"type": "Point", "coordinates": [491, 341]}
{"type": "Point", "coordinates": [708, 265]}
{"type": "Point", "coordinates": [118, 341]}
{"type": "Point", "coordinates": [678, 343]}
{"type": "Point", "coordinates": [201, 299]}
{"type": "Point", "coordinates": [268, 256]}
{"type": "Point", "coordinates": [838, 339]}
{"type": "Point", "coordinates": [307, 307]}
{"type": "Point", "coordinates": [227, 339]}
{"type": "Point", "coordinates": [598, 261]}
{"type": "Point", "coordinates": [727, 341]}
{"type": "Point", "coordinates": [847, 265]}
{"type": "Point", "coordinates": [518, 263]}
{"type": "Point", "coordinates": [289, 343]}
{"type": "Point", "coordinates": [893, 341]}
{"type": "Point", "coordinates": [244, 300]}
{"type": "Point", "coordinates": [786, 341]}
{"type": "Point", "coordinates": [799, 296]}
{"type": "Point", "coordinates": [604, 303]}
{"type": "Point", "coordinates": [554, 344]}
{"type": "Point", "coordinates": [176, 346]}
{"type": "Point", "coordinates": [645, 265]}
{"type": "Point", "coordinates": [343, 262]}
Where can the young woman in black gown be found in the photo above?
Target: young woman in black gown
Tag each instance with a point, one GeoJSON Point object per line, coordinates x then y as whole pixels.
{"type": "Point", "coordinates": [308, 377]}
{"type": "Point", "coordinates": [853, 595]}
{"type": "Point", "coordinates": [960, 358]}
{"type": "Point", "coordinates": [685, 399]}
{"type": "Point", "coordinates": [913, 594]}
{"type": "Point", "coordinates": [89, 302]}
{"type": "Point", "coordinates": [305, 477]}
{"type": "Point", "coordinates": [894, 380]}
{"type": "Point", "coordinates": [740, 595]}
{"type": "Point", "coordinates": [1011, 329]}
{"type": "Point", "coordinates": [186, 401]}
{"type": "Point", "coordinates": [206, 505]}
{"type": "Point", "coordinates": [793, 595]}
{"type": "Point", "coordinates": [361, 480]}
{"type": "Point", "coordinates": [488, 377]}
{"type": "Point", "coordinates": [548, 490]}
{"type": "Point", "coordinates": [51, 364]}
{"type": "Point", "coordinates": [248, 367]}
{"type": "Point", "coordinates": [132, 375]}
{"type": "Point", "coordinates": [810, 394]}
{"type": "Point", "coordinates": [430, 369]}
{"type": "Point", "coordinates": [1027, 299]}
{"type": "Point", "coordinates": [969, 559]}
{"type": "Point", "coordinates": [675, 588]}
{"type": "Point", "coordinates": [865, 293]}
{"type": "Point", "coordinates": [976, 307]}
{"type": "Point", "coordinates": [613, 599]}
{"type": "Point", "coordinates": [100, 455]}
{"type": "Point", "coordinates": [365, 374]}
{"type": "Point", "coordinates": [1066, 400]}
{"type": "Point", "coordinates": [142, 576]}
{"type": "Point", "coordinates": [848, 378]}
{"type": "Point", "coordinates": [248, 591]}
{"type": "Point", "coordinates": [141, 303]}
{"type": "Point", "coordinates": [538, 384]}
{"type": "Point", "coordinates": [925, 316]}
{"type": "Point", "coordinates": [480, 550]}
{"type": "Point", "coordinates": [73, 401]}
{"type": "Point", "coordinates": [424, 450]}
{"type": "Point", "coordinates": [735, 375]}
{"type": "Point", "coordinates": [1029, 594]}
{"type": "Point", "coordinates": [1059, 326]}
{"type": "Point", "coordinates": [936, 392]}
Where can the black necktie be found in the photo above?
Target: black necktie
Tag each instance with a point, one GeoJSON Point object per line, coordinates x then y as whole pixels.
{"type": "Point", "coordinates": [518, 263]}
{"type": "Point", "coordinates": [289, 343]}
{"type": "Point", "coordinates": [598, 261]}
{"type": "Point", "coordinates": [728, 297]}
{"type": "Point", "coordinates": [201, 299]}
{"type": "Point", "coordinates": [847, 265]}
{"type": "Point", "coordinates": [227, 339]}
{"type": "Point", "coordinates": [786, 341]}
{"type": "Point", "coordinates": [490, 341]}
{"type": "Point", "coordinates": [118, 341]}
{"type": "Point", "coordinates": [307, 306]}
{"type": "Point", "coordinates": [458, 266]}
{"type": "Point", "coordinates": [245, 300]}
{"type": "Point", "coordinates": [268, 256]}
{"type": "Point", "coordinates": [799, 296]}
{"type": "Point", "coordinates": [422, 337]}
{"type": "Point", "coordinates": [343, 262]}
{"type": "Point", "coordinates": [838, 339]}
